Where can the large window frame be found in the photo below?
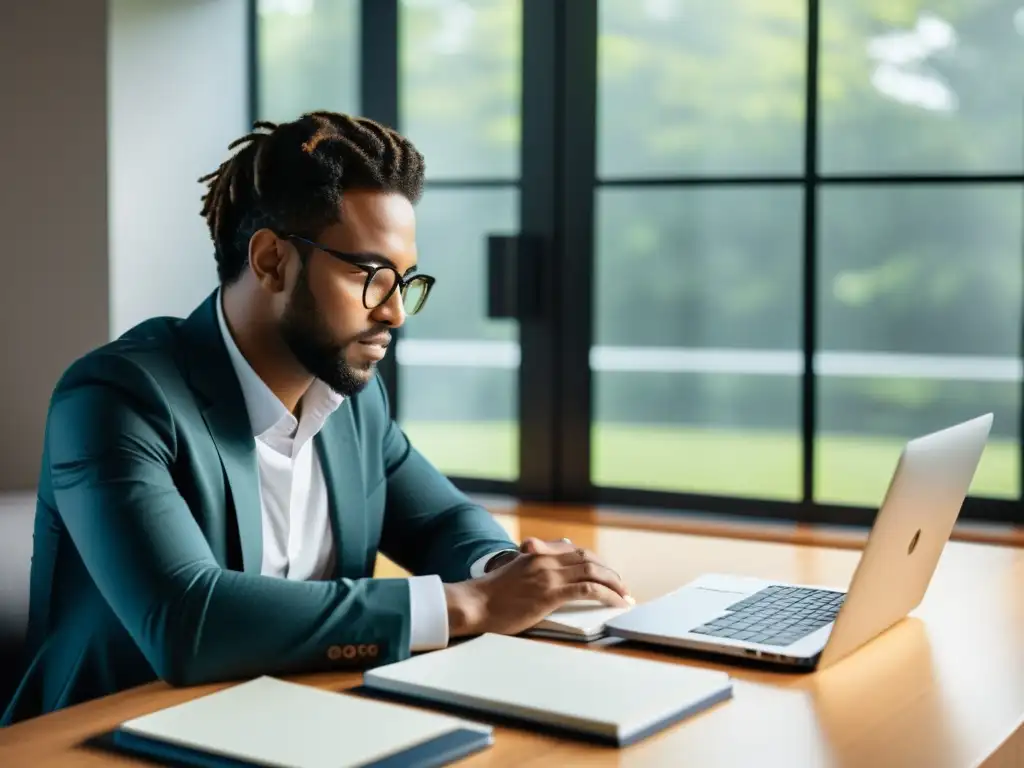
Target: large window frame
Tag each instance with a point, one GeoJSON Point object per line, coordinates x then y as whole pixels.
{"type": "Point", "coordinates": [558, 181]}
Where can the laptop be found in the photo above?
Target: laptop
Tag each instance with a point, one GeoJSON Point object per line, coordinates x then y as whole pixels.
{"type": "Point", "coordinates": [812, 627]}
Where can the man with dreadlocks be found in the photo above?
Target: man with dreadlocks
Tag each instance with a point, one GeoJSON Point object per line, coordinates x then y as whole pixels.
{"type": "Point", "coordinates": [214, 490]}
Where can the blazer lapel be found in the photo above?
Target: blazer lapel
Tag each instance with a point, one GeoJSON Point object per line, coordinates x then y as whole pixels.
{"type": "Point", "coordinates": [226, 418]}
{"type": "Point", "coordinates": [233, 437]}
{"type": "Point", "coordinates": [338, 448]}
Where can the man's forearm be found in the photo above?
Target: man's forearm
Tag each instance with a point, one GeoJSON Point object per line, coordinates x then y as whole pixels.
{"type": "Point", "coordinates": [233, 625]}
{"type": "Point", "coordinates": [447, 545]}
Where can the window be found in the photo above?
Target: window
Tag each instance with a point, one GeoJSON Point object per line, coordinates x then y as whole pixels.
{"type": "Point", "coordinates": [922, 88]}
{"type": "Point", "coordinates": [697, 340]}
{"type": "Point", "coordinates": [307, 57]}
{"type": "Point", "coordinates": [700, 88]}
{"type": "Point", "coordinates": [459, 103]}
{"type": "Point", "coordinates": [780, 238]}
{"type": "Point", "coordinates": [919, 300]}
{"type": "Point", "coordinates": [703, 233]}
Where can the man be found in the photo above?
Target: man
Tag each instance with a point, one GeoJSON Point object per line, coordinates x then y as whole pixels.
{"type": "Point", "coordinates": [214, 490]}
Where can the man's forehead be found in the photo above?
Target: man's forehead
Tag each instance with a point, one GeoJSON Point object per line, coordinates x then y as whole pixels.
{"type": "Point", "coordinates": [375, 222]}
{"type": "Point", "coordinates": [375, 210]}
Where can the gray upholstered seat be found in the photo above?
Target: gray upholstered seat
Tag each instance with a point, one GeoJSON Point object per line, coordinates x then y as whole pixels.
{"type": "Point", "coordinates": [17, 512]}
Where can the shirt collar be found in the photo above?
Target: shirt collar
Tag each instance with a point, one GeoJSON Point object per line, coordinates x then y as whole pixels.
{"type": "Point", "coordinates": [266, 412]}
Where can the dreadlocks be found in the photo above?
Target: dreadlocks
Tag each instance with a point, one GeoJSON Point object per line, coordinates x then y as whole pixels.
{"type": "Point", "coordinates": [292, 176]}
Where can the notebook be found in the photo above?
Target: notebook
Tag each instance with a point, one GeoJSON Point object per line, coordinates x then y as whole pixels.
{"type": "Point", "coordinates": [269, 722]}
{"type": "Point", "coordinates": [597, 695]}
{"type": "Point", "coordinates": [581, 620]}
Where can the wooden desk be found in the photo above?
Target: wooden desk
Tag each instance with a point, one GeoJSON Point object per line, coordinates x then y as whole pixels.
{"type": "Point", "coordinates": [944, 689]}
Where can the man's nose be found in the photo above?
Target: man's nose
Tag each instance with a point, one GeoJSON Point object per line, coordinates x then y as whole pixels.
{"type": "Point", "coordinates": [392, 311]}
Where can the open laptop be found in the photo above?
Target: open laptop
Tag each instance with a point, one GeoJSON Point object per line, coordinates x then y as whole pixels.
{"type": "Point", "coordinates": [812, 627]}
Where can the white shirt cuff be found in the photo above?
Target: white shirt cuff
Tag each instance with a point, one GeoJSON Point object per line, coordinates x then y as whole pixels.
{"type": "Point", "coordinates": [477, 569]}
{"type": "Point", "coordinates": [428, 614]}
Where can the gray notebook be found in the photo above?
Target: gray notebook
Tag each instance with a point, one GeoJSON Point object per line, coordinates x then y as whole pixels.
{"type": "Point", "coordinates": [276, 724]}
{"type": "Point", "coordinates": [596, 694]}
{"type": "Point", "coordinates": [580, 620]}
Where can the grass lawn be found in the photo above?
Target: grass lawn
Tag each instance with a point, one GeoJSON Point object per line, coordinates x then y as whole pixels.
{"type": "Point", "coordinates": [761, 464]}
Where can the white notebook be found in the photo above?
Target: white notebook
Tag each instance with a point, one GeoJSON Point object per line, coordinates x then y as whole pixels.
{"type": "Point", "coordinates": [598, 694]}
{"type": "Point", "coordinates": [582, 620]}
{"type": "Point", "coordinates": [271, 722]}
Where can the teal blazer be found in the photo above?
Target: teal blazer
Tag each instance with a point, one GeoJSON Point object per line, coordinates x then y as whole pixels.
{"type": "Point", "coordinates": [147, 545]}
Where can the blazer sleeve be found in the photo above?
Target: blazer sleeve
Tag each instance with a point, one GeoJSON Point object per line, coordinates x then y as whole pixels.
{"type": "Point", "coordinates": [110, 446]}
{"type": "Point", "coordinates": [430, 526]}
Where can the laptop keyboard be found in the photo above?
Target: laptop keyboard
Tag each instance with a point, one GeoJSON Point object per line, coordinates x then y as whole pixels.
{"type": "Point", "coordinates": [776, 615]}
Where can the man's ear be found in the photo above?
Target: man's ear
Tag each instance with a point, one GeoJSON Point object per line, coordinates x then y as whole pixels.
{"type": "Point", "coordinates": [268, 258]}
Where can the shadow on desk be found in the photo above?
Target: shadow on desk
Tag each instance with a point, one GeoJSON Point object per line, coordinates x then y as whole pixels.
{"type": "Point", "coordinates": [103, 746]}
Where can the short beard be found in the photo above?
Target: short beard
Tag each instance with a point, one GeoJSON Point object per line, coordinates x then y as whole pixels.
{"type": "Point", "coordinates": [309, 339]}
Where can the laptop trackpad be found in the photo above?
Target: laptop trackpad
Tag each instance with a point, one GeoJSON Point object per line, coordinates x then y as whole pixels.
{"type": "Point", "coordinates": [678, 612]}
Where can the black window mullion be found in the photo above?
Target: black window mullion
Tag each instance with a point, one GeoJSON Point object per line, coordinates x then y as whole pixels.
{"type": "Point", "coordinates": [379, 88]}
{"type": "Point", "coordinates": [810, 272]}
{"type": "Point", "coordinates": [252, 59]}
{"type": "Point", "coordinates": [576, 261]}
{"type": "Point", "coordinates": [471, 183]}
{"type": "Point", "coordinates": [822, 178]}
{"type": "Point", "coordinates": [539, 198]}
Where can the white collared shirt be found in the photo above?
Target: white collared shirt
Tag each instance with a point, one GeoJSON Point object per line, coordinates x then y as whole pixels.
{"type": "Point", "coordinates": [298, 543]}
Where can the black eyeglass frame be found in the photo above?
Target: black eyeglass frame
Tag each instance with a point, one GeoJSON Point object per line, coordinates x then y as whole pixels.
{"type": "Point", "coordinates": [366, 263]}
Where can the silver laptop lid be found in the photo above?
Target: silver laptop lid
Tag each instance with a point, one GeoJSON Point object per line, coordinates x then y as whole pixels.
{"type": "Point", "coordinates": [917, 516]}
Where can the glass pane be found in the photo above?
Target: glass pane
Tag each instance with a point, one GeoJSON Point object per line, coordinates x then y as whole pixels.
{"type": "Point", "coordinates": [920, 322]}
{"type": "Point", "coordinates": [459, 369]}
{"type": "Point", "coordinates": [701, 87]}
{"type": "Point", "coordinates": [906, 88]}
{"type": "Point", "coordinates": [308, 57]}
{"type": "Point", "coordinates": [460, 75]}
{"type": "Point", "coordinates": [697, 330]}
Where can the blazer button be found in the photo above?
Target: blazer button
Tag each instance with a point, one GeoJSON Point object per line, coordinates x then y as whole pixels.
{"type": "Point", "coordinates": [334, 652]}
{"type": "Point", "coordinates": [349, 651]}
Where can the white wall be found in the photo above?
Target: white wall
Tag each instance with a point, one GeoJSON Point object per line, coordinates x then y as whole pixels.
{"type": "Point", "coordinates": [178, 97]}
{"type": "Point", "coordinates": [53, 211]}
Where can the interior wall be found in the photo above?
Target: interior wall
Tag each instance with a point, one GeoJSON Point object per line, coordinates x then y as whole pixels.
{"type": "Point", "coordinates": [178, 97]}
{"type": "Point", "coordinates": [53, 211]}
{"type": "Point", "coordinates": [112, 109]}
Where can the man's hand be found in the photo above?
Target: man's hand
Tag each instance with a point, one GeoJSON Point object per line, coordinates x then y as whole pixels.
{"type": "Point", "coordinates": [525, 589]}
{"type": "Point", "coordinates": [534, 546]}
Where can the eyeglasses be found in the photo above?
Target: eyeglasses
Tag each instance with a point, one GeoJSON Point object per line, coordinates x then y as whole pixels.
{"type": "Point", "coordinates": [381, 279]}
